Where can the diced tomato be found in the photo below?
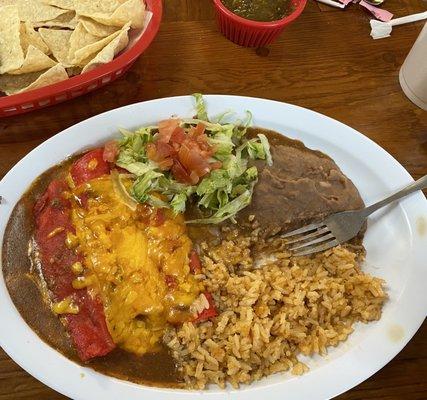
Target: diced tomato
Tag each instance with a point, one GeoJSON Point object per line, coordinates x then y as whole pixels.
{"type": "Point", "coordinates": [176, 146]}
{"type": "Point", "coordinates": [166, 128]}
{"type": "Point", "coordinates": [178, 135]}
{"type": "Point", "coordinates": [200, 129]}
{"type": "Point", "coordinates": [186, 155]}
{"type": "Point", "coordinates": [89, 166]}
{"type": "Point", "coordinates": [196, 268]}
{"type": "Point", "coordinates": [194, 177]}
{"type": "Point", "coordinates": [208, 312]}
{"type": "Point", "coordinates": [192, 160]}
{"type": "Point", "coordinates": [195, 264]}
{"type": "Point", "coordinates": [144, 213]}
{"type": "Point", "coordinates": [151, 151]}
{"type": "Point", "coordinates": [164, 150]}
{"type": "Point", "coordinates": [158, 217]}
{"type": "Point", "coordinates": [158, 151]}
{"type": "Point", "coordinates": [180, 174]}
{"type": "Point", "coordinates": [111, 151]}
{"type": "Point", "coordinates": [166, 164]}
{"type": "Point", "coordinates": [215, 165]}
{"type": "Point", "coordinates": [171, 281]}
{"type": "Point", "coordinates": [150, 215]}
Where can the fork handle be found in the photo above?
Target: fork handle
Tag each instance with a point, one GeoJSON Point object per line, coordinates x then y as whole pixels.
{"type": "Point", "coordinates": [420, 184]}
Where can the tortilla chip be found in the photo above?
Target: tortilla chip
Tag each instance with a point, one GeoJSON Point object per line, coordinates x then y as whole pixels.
{"type": "Point", "coordinates": [67, 20]}
{"type": "Point", "coordinates": [58, 41]}
{"type": "Point", "coordinates": [131, 10]}
{"type": "Point", "coordinates": [30, 36]}
{"type": "Point", "coordinates": [64, 4]}
{"type": "Point", "coordinates": [109, 51]}
{"type": "Point", "coordinates": [89, 7]}
{"type": "Point", "coordinates": [85, 52]}
{"type": "Point", "coordinates": [51, 76]}
{"type": "Point", "coordinates": [33, 10]}
{"type": "Point", "coordinates": [11, 54]}
{"type": "Point", "coordinates": [35, 60]}
{"type": "Point", "coordinates": [71, 71]}
{"type": "Point", "coordinates": [10, 84]}
{"type": "Point", "coordinates": [80, 38]}
{"type": "Point", "coordinates": [97, 29]}
{"type": "Point", "coordinates": [13, 84]}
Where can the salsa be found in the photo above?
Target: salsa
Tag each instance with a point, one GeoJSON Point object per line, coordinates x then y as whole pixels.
{"type": "Point", "coordinates": [260, 10]}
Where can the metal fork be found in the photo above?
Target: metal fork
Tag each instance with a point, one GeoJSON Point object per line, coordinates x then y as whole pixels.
{"type": "Point", "coordinates": [341, 227]}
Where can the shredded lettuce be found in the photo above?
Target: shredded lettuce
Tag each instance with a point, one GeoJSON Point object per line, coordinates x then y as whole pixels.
{"type": "Point", "coordinates": [121, 191]}
{"type": "Point", "coordinates": [257, 148]}
{"type": "Point", "coordinates": [144, 185]}
{"type": "Point", "coordinates": [266, 146]}
{"type": "Point", "coordinates": [200, 107]}
{"type": "Point", "coordinates": [221, 117]}
{"type": "Point", "coordinates": [227, 211]}
{"type": "Point", "coordinates": [132, 156]}
{"type": "Point", "coordinates": [242, 127]}
{"type": "Point", "coordinates": [137, 168]}
{"type": "Point", "coordinates": [222, 193]}
{"type": "Point", "coordinates": [156, 202]}
{"type": "Point", "coordinates": [178, 202]}
{"type": "Point", "coordinates": [223, 142]}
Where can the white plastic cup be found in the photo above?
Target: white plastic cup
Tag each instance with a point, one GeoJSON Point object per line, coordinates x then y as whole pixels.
{"type": "Point", "coordinates": [413, 74]}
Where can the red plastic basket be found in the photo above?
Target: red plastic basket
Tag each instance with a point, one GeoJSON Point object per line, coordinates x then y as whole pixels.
{"type": "Point", "coordinates": [245, 32]}
{"type": "Point", "coordinates": [81, 84]}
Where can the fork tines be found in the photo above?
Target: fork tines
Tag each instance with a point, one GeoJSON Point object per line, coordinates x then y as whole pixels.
{"type": "Point", "coordinates": [319, 233]}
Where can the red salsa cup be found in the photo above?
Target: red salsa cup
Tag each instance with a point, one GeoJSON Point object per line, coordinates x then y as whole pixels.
{"type": "Point", "coordinates": [248, 33]}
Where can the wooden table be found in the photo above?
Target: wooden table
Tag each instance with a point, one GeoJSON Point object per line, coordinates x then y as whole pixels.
{"type": "Point", "coordinates": [325, 61]}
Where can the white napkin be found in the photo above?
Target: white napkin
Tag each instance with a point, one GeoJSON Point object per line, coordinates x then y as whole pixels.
{"type": "Point", "coordinates": [381, 30]}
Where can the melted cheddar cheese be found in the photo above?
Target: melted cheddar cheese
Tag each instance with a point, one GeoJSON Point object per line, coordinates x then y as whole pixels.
{"type": "Point", "coordinates": [140, 271]}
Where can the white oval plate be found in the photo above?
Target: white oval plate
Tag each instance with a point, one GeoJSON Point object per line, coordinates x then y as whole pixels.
{"type": "Point", "coordinates": [396, 247]}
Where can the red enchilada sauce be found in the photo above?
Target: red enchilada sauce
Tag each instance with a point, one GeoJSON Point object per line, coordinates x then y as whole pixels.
{"type": "Point", "coordinates": [83, 312]}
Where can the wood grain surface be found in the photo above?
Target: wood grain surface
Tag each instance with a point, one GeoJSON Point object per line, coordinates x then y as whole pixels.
{"type": "Point", "coordinates": [325, 61]}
